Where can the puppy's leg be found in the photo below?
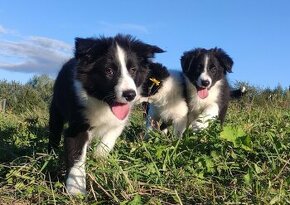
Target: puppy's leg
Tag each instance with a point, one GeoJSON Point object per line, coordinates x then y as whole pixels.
{"type": "Point", "coordinates": [75, 152]}
{"type": "Point", "coordinates": [107, 142]}
{"type": "Point", "coordinates": [152, 120]}
{"type": "Point", "coordinates": [179, 126]}
{"type": "Point", "coordinates": [164, 127]}
{"type": "Point", "coordinates": [56, 123]}
{"type": "Point", "coordinates": [208, 114]}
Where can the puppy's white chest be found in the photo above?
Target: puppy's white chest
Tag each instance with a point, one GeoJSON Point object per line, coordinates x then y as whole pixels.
{"type": "Point", "coordinates": [101, 118]}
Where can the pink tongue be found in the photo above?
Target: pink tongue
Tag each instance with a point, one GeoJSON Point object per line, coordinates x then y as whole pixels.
{"type": "Point", "coordinates": [120, 110]}
{"type": "Point", "coordinates": [202, 92]}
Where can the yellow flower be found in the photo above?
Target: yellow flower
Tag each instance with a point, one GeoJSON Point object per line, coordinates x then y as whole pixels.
{"type": "Point", "coordinates": [155, 81]}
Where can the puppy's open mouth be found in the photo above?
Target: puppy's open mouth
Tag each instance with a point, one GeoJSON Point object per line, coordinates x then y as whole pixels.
{"type": "Point", "coordinates": [202, 92]}
{"type": "Point", "coordinates": [120, 110]}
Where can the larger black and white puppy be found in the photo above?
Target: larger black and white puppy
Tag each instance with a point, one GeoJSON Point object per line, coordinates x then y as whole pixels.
{"type": "Point", "coordinates": [94, 92]}
{"type": "Point", "coordinates": [207, 86]}
{"type": "Point", "coordinates": [166, 93]}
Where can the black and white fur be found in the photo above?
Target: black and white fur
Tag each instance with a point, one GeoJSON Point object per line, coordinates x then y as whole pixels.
{"type": "Point", "coordinates": [238, 93]}
{"type": "Point", "coordinates": [167, 101]}
{"type": "Point", "coordinates": [105, 72]}
{"type": "Point", "coordinates": [206, 71]}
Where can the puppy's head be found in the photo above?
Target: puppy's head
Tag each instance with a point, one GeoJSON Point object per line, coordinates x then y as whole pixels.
{"type": "Point", "coordinates": [154, 80]}
{"type": "Point", "coordinates": [205, 67]}
{"type": "Point", "coordinates": [111, 69]}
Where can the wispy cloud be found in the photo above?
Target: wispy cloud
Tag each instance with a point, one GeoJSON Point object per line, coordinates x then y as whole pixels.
{"type": "Point", "coordinates": [2, 30]}
{"type": "Point", "coordinates": [37, 54]}
{"type": "Point", "coordinates": [123, 27]}
{"type": "Point", "coordinates": [33, 54]}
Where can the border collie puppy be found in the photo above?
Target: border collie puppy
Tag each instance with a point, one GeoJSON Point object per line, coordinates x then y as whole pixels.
{"type": "Point", "coordinates": [94, 92]}
{"type": "Point", "coordinates": [207, 86]}
{"type": "Point", "coordinates": [165, 91]}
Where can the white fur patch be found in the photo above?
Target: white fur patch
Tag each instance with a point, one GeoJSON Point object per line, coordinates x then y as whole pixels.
{"type": "Point", "coordinates": [81, 93]}
{"type": "Point", "coordinates": [108, 141]}
{"type": "Point", "coordinates": [168, 104]}
{"type": "Point", "coordinates": [76, 180]}
{"type": "Point", "coordinates": [210, 113]}
{"type": "Point", "coordinates": [125, 82]}
{"type": "Point", "coordinates": [203, 110]}
{"type": "Point", "coordinates": [243, 89]}
{"type": "Point", "coordinates": [106, 127]}
{"type": "Point", "coordinates": [204, 75]}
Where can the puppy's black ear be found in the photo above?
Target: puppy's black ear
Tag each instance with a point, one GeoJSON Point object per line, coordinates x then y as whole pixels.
{"type": "Point", "coordinates": [158, 71]}
{"type": "Point", "coordinates": [143, 50]}
{"type": "Point", "coordinates": [152, 49]}
{"type": "Point", "coordinates": [83, 46]}
{"type": "Point", "coordinates": [146, 50]}
{"type": "Point", "coordinates": [88, 48]}
{"type": "Point", "coordinates": [224, 59]}
{"type": "Point", "coordinates": [188, 57]}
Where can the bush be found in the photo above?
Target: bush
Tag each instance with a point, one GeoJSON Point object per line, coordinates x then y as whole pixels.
{"type": "Point", "coordinates": [32, 96]}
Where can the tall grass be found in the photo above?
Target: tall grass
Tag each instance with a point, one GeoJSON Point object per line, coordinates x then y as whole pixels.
{"type": "Point", "coordinates": [245, 162]}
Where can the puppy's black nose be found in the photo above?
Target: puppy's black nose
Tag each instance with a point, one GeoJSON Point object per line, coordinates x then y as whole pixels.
{"type": "Point", "coordinates": [129, 95]}
{"type": "Point", "coordinates": [205, 83]}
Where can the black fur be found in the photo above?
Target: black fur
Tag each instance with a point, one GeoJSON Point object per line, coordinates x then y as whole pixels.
{"type": "Point", "coordinates": [238, 93]}
{"type": "Point", "coordinates": [96, 68]}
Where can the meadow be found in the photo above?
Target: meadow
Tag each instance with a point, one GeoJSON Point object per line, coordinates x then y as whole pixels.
{"type": "Point", "coordinates": [247, 161]}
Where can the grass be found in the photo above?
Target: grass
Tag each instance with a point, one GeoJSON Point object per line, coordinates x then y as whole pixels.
{"type": "Point", "coordinates": [245, 162]}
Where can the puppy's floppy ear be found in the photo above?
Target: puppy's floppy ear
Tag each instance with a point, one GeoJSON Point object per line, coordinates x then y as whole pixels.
{"type": "Point", "coordinates": [152, 49]}
{"type": "Point", "coordinates": [188, 58]}
{"type": "Point", "coordinates": [88, 48]}
{"type": "Point", "coordinates": [146, 50]}
{"type": "Point", "coordinates": [143, 50]}
{"type": "Point", "coordinates": [158, 71]}
{"type": "Point", "coordinates": [224, 59]}
{"type": "Point", "coordinates": [184, 60]}
{"type": "Point", "coordinates": [83, 46]}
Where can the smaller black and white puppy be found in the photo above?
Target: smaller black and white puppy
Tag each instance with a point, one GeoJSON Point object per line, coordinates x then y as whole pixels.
{"type": "Point", "coordinates": [207, 86]}
{"type": "Point", "coordinates": [165, 91]}
{"type": "Point", "coordinates": [94, 92]}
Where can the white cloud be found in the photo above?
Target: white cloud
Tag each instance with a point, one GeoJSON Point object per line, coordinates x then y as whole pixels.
{"type": "Point", "coordinates": [37, 54]}
{"type": "Point", "coordinates": [5, 31]}
{"type": "Point", "coordinates": [34, 54]}
{"type": "Point", "coordinates": [2, 29]}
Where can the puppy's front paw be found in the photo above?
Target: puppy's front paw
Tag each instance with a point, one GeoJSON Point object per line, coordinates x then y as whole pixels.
{"type": "Point", "coordinates": [199, 125]}
{"type": "Point", "coordinates": [76, 182]}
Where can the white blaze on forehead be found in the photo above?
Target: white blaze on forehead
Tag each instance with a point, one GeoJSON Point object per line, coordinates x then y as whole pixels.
{"type": "Point", "coordinates": [204, 75]}
{"type": "Point", "coordinates": [125, 80]}
{"type": "Point", "coordinates": [205, 63]}
{"type": "Point", "coordinates": [121, 56]}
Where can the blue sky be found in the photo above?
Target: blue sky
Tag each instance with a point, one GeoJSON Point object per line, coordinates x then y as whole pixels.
{"type": "Point", "coordinates": [38, 36]}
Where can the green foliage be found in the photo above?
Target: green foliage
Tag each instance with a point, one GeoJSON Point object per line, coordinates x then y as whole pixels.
{"type": "Point", "coordinates": [245, 162]}
{"type": "Point", "coordinates": [33, 96]}
{"type": "Point", "coordinates": [43, 84]}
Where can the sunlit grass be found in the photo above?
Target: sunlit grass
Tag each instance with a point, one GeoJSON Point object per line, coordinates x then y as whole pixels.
{"type": "Point", "coordinates": [246, 161]}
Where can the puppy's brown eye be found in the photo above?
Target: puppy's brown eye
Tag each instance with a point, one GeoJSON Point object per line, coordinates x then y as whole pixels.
{"type": "Point", "coordinates": [213, 69]}
{"type": "Point", "coordinates": [109, 72]}
{"type": "Point", "coordinates": [132, 70]}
